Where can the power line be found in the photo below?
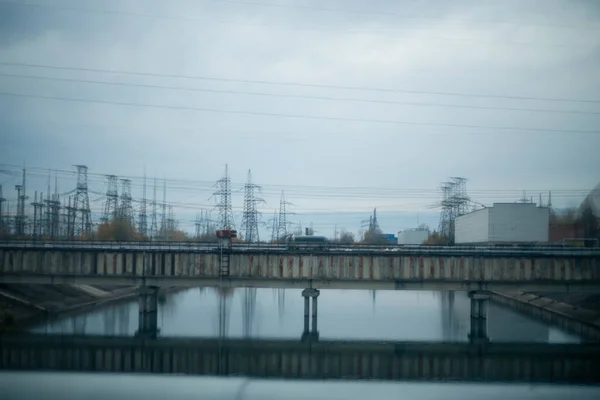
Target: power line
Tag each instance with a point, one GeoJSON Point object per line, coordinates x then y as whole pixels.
{"type": "Point", "coordinates": [381, 13]}
{"type": "Point", "coordinates": [294, 96]}
{"type": "Point", "coordinates": [289, 188]}
{"type": "Point", "coordinates": [304, 85]}
{"type": "Point", "coordinates": [103, 129]}
{"type": "Point", "coordinates": [302, 116]}
{"type": "Point", "coordinates": [291, 6]}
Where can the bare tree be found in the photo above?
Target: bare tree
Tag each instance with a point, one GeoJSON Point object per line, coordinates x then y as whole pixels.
{"type": "Point", "coordinates": [346, 237]}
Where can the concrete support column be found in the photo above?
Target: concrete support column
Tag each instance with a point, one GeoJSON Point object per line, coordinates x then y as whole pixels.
{"type": "Point", "coordinates": [148, 311]}
{"type": "Point", "coordinates": [478, 331]}
{"type": "Point", "coordinates": [314, 313]}
{"type": "Point", "coordinates": [483, 304]}
{"type": "Point", "coordinates": [474, 308]}
{"type": "Point", "coordinates": [306, 313]}
{"type": "Point", "coordinates": [313, 334]}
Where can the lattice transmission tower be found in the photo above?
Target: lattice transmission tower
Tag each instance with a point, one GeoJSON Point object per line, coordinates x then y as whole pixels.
{"type": "Point", "coordinates": [125, 208]}
{"type": "Point", "coordinates": [21, 219]}
{"type": "Point", "coordinates": [282, 222]}
{"type": "Point", "coordinates": [455, 202]}
{"type": "Point", "coordinates": [111, 205]}
{"type": "Point", "coordinates": [225, 220]}
{"type": "Point", "coordinates": [81, 214]}
{"type": "Point", "coordinates": [274, 227]}
{"type": "Point", "coordinates": [164, 231]}
{"type": "Point", "coordinates": [446, 213]}
{"type": "Point", "coordinates": [250, 215]}
{"type": "Point", "coordinates": [154, 215]}
{"type": "Point", "coordinates": [143, 215]}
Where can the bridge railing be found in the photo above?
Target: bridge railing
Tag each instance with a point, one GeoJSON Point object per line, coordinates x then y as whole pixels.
{"type": "Point", "coordinates": [184, 246]}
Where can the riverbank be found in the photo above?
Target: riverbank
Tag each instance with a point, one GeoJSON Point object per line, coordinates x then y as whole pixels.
{"type": "Point", "coordinates": [575, 312]}
{"type": "Point", "coordinates": [22, 304]}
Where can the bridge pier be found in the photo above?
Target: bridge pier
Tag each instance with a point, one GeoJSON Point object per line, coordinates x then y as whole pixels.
{"type": "Point", "coordinates": [479, 301]}
{"type": "Point", "coordinates": [148, 311]}
{"type": "Point", "coordinates": [313, 333]}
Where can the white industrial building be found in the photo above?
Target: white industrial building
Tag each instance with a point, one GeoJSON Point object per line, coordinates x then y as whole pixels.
{"type": "Point", "coordinates": [413, 236]}
{"type": "Point", "coordinates": [504, 223]}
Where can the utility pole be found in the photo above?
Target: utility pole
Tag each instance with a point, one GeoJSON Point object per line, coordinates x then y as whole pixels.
{"type": "Point", "coordinates": [209, 223]}
{"type": "Point", "coordinates": [53, 208]}
{"type": "Point", "coordinates": [18, 217]}
{"type": "Point", "coordinates": [8, 224]}
{"type": "Point", "coordinates": [225, 220]}
{"type": "Point", "coordinates": [46, 210]}
{"type": "Point", "coordinates": [21, 197]}
{"type": "Point", "coordinates": [56, 225]}
{"type": "Point", "coordinates": [170, 223]}
{"type": "Point", "coordinates": [198, 225]}
{"type": "Point", "coordinates": [70, 214]}
{"type": "Point", "coordinates": [37, 207]}
{"type": "Point", "coordinates": [250, 214]}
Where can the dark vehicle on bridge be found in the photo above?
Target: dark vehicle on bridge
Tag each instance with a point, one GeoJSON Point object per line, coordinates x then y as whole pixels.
{"type": "Point", "coordinates": [294, 242]}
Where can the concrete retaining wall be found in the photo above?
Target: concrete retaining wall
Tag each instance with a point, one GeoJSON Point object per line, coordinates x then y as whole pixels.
{"type": "Point", "coordinates": [580, 322]}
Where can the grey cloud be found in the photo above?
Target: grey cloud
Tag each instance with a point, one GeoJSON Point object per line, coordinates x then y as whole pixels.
{"type": "Point", "coordinates": [456, 47]}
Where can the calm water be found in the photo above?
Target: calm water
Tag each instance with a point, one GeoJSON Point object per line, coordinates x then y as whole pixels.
{"type": "Point", "coordinates": [76, 386]}
{"type": "Point", "coordinates": [342, 314]}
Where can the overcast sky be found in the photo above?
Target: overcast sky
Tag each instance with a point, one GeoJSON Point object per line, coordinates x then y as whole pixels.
{"type": "Point", "coordinates": [464, 88]}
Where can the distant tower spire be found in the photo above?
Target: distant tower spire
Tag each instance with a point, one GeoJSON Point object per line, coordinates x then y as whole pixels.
{"type": "Point", "coordinates": [375, 223]}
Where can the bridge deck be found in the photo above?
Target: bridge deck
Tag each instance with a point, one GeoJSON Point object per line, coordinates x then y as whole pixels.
{"type": "Point", "coordinates": [420, 269]}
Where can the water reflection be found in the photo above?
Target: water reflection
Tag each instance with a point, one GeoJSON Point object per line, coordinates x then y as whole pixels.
{"type": "Point", "coordinates": [76, 386]}
{"type": "Point", "coordinates": [248, 310]}
{"type": "Point", "coordinates": [343, 314]}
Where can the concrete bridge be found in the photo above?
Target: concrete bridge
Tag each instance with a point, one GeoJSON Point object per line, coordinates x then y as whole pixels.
{"type": "Point", "coordinates": [477, 270]}
{"type": "Point", "coordinates": [289, 359]}
{"type": "Point", "coordinates": [419, 268]}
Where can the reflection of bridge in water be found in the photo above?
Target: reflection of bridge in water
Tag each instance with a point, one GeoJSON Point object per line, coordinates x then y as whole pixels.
{"type": "Point", "coordinates": [310, 359]}
{"type": "Point", "coordinates": [503, 324]}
